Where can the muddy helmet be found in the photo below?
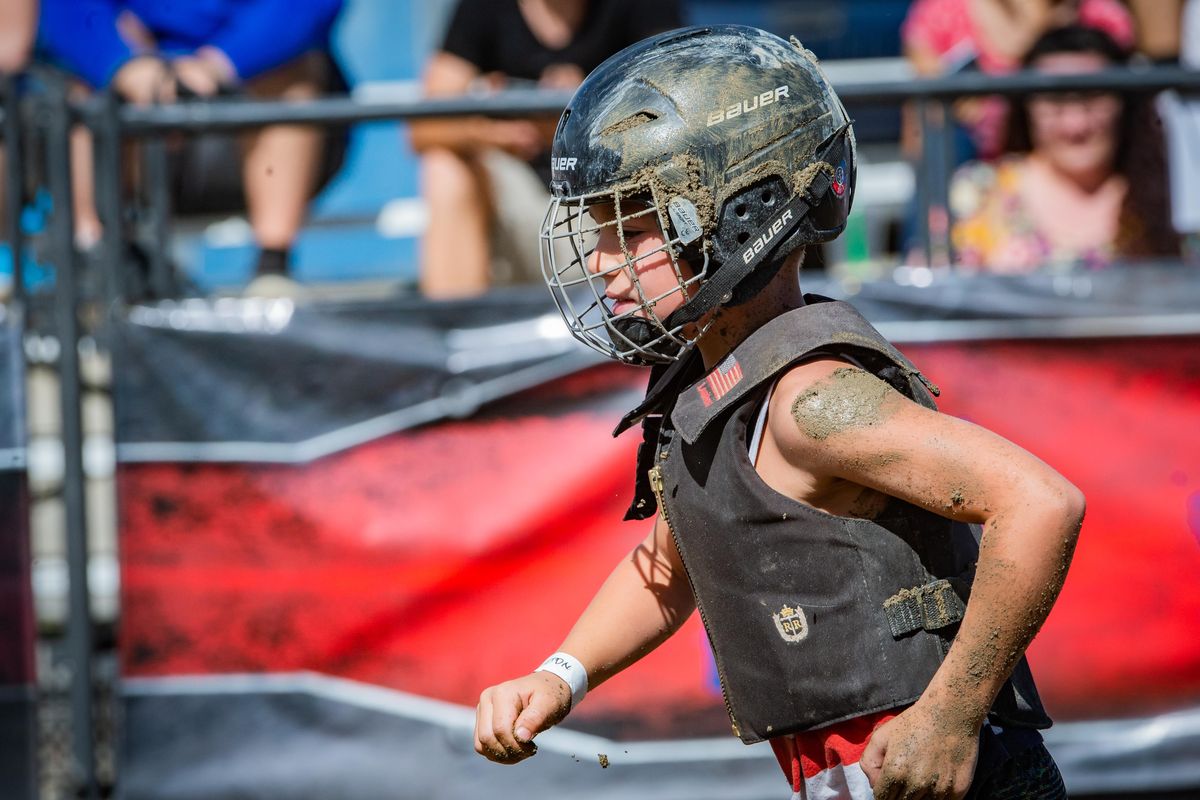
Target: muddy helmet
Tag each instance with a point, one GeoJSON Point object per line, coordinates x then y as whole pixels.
{"type": "Point", "coordinates": [732, 140]}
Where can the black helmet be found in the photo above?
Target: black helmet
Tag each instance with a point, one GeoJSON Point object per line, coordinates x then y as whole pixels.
{"type": "Point", "coordinates": [731, 139]}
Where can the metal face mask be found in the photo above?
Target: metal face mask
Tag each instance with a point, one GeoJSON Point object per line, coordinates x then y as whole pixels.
{"type": "Point", "coordinates": [613, 288]}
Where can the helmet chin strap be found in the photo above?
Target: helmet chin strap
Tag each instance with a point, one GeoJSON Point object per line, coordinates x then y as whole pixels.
{"type": "Point", "coordinates": [718, 289]}
{"type": "Point", "coordinates": [759, 247]}
{"type": "Point", "coordinates": [646, 336]}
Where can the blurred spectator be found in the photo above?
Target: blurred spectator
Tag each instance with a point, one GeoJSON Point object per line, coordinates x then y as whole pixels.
{"type": "Point", "coordinates": [484, 180]}
{"type": "Point", "coordinates": [1087, 181]}
{"type": "Point", "coordinates": [18, 19]}
{"type": "Point", "coordinates": [156, 52]}
{"type": "Point", "coordinates": [1158, 28]}
{"type": "Point", "coordinates": [946, 36]}
{"type": "Point", "coordinates": [1181, 115]}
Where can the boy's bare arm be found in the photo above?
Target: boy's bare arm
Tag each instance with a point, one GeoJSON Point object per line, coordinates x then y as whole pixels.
{"type": "Point", "coordinates": [642, 602]}
{"type": "Point", "coordinates": [839, 422]}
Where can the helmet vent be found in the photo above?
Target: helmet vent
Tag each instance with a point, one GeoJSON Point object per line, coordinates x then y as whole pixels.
{"type": "Point", "coordinates": [632, 121]}
{"type": "Point", "coordinates": [689, 33]}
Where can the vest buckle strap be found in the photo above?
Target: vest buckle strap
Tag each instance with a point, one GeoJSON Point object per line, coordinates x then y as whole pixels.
{"type": "Point", "coordinates": [929, 607]}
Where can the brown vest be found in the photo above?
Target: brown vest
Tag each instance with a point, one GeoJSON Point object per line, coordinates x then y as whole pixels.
{"type": "Point", "coordinates": [813, 618]}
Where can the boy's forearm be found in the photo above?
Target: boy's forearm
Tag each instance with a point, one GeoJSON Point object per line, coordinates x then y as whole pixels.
{"type": "Point", "coordinates": [644, 600]}
{"type": "Point", "coordinates": [1023, 562]}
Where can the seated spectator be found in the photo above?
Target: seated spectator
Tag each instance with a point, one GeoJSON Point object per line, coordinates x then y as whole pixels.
{"type": "Point", "coordinates": [484, 180]}
{"type": "Point", "coordinates": [1085, 180]}
{"type": "Point", "coordinates": [152, 52]}
{"type": "Point", "coordinates": [1159, 25]}
{"type": "Point", "coordinates": [945, 36]}
{"type": "Point", "coordinates": [17, 21]}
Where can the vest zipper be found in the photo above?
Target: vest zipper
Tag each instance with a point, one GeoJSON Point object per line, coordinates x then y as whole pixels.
{"type": "Point", "coordinates": [656, 484]}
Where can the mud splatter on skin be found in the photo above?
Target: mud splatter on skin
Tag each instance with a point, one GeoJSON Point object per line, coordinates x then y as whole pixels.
{"type": "Point", "coordinates": [936, 736]}
{"type": "Point", "coordinates": [995, 653]}
{"type": "Point", "coordinates": [861, 464]}
{"type": "Point", "coordinates": [869, 504]}
{"type": "Point", "coordinates": [957, 499]}
{"type": "Point", "coordinates": [848, 398]}
{"type": "Point", "coordinates": [948, 731]}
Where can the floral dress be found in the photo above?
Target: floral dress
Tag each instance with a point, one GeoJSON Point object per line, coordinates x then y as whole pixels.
{"type": "Point", "coordinates": [994, 231]}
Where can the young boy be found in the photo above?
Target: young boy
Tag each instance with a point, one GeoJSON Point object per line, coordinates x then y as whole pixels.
{"type": "Point", "coordinates": [812, 503]}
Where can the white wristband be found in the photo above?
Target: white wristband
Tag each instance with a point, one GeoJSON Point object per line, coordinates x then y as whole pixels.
{"type": "Point", "coordinates": [567, 667]}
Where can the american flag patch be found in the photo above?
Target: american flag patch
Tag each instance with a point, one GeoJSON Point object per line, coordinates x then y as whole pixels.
{"type": "Point", "coordinates": [720, 381]}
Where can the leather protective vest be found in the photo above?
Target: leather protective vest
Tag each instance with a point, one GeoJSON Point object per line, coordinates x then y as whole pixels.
{"type": "Point", "coordinates": [812, 618]}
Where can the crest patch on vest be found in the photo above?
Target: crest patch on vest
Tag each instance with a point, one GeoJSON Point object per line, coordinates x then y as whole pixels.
{"type": "Point", "coordinates": [720, 381]}
{"type": "Point", "coordinates": [791, 624]}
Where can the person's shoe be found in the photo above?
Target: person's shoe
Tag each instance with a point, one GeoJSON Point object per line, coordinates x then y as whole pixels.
{"type": "Point", "coordinates": [274, 287]}
{"type": "Point", "coordinates": [271, 275]}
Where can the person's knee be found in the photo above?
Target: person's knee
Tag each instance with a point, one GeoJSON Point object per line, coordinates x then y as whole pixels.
{"type": "Point", "coordinates": [450, 179]}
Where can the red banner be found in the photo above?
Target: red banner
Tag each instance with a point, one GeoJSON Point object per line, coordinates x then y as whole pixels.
{"type": "Point", "coordinates": [441, 560]}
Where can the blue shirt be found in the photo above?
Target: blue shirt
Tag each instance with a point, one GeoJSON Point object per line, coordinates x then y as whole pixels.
{"type": "Point", "coordinates": [256, 35]}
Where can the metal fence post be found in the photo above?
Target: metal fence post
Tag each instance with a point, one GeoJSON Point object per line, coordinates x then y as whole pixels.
{"type": "Point", "coordinates": [57, 120]}
{"type": "Point", "coordinates": [924, 177]}
{"type": "Point", "coordinates": [157, 178]}
{"type": "Point", "coordinates": [106, 148]}
{"type": "Point", "coordinates": [936, 139]}
{"type": "Point", "coordinates": [949, 165]}
{"type": "Point", "coordinates": [14, 182]}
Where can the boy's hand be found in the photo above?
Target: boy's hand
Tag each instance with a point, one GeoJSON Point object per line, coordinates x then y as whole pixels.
{"type": "Point", "coordinates": [511, 714]}
{"type": "Point", "coordinates": [923, 753]}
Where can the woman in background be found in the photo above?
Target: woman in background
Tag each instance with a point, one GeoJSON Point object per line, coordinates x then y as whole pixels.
{"type": "Point", "coordinates": [1085, 180]}
{"type": "Point", "coordinates": [946, 36]}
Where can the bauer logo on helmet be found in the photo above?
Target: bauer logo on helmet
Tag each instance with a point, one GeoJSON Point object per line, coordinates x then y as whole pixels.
{"type": "Point", "coordinates": [766, 237]}
{"type": "Point", "coordinates": [746, 106]}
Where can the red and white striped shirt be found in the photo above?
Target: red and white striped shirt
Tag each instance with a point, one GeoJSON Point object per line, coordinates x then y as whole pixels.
{"type": "Point", "coordinates": [823, 764]}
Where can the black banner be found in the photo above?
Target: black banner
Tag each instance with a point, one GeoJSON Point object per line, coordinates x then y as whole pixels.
{"type": "Point", "coordinates": [252, 380]}
{"type": "Point", "coordinates": [267, 380]}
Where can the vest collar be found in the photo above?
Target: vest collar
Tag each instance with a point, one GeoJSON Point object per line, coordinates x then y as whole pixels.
{"type": "Point", "coordinates": [665, 383]}
{"type": "Point", "coordinates": [819, 323]}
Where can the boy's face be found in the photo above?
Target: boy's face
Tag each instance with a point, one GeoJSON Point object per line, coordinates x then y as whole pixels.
{"type": "Point", "coordinates": [645, 281]}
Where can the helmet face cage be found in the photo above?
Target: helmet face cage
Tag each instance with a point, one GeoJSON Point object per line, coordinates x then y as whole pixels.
{"type": "Point", "coordinates": [569, 238]}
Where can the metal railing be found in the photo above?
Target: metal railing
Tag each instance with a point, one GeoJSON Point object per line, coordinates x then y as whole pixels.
{"type": "Point", "coordinates": [112, 124]}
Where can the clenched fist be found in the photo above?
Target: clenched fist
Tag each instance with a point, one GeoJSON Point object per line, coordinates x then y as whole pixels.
{"type": "Point", "coordinates": [510, 714]}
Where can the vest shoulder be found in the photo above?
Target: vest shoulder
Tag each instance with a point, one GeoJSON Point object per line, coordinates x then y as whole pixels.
{"type": "Point", "coordinates": [801, 376]}
{"type": "Point", "coordinates": [821, 327]}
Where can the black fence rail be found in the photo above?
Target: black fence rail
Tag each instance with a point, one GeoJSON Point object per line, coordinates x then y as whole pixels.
{"type": "Point", "coordinates": [112, 124]}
